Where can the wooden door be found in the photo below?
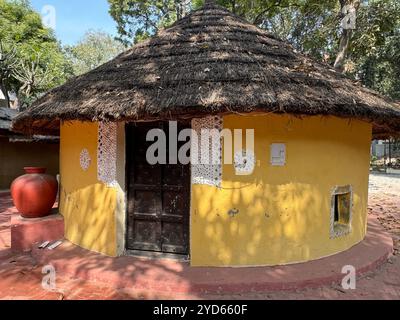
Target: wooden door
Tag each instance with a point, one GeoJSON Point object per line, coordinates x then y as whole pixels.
{"type": "Point", "coordinates": [158, 197]}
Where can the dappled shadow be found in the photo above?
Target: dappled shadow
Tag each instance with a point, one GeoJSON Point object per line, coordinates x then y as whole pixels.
{"type": "Point", "coordinates": [7, 209]}
{"type": "Point", "coordinates": [171, 278]}
{"type": "Point", "coordinates": [283, 214]}
{"type": "Point", "coordinates": [86, 219]}
{"type": "Point", "coordinates": [163, 279]}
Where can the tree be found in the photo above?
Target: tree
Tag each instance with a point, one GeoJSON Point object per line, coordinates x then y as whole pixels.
{"type": "Point", "coordinates": [380, 69]}
{"type": "Point", "coordinates": [346, 7]}
{"type": "Point", "coordinates": [32, 77]}
{"type": "Point", "coordinates": [7, 66]}
{"type": "Point", "coordinates": [312, 26]}
{"type": "Point", "coordinates": [94, 49]}
{"type": "Point", "coordinates": [137, 20]}
{"type": "Point", "coordinates": [22, 32]}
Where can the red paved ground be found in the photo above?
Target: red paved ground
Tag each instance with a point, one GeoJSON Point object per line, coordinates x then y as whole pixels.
{"type": "Point", "coordinates": [178, 277]}
{"type": "Point", "coordinates": [20, 277]}
{"type": "Point", "coordinates": [5, 217]}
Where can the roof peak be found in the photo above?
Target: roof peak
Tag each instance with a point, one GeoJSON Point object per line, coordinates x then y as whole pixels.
{"type": "Point", "coordinates": [210, 3]}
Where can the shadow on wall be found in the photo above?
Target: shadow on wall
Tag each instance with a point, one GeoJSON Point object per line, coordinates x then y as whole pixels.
{"type": "Point", "coordinates": [271, 225]}
{"type": "Point", "coordinates": [89, 215]}
{"type": "Point", "coordinates": [282, 214]}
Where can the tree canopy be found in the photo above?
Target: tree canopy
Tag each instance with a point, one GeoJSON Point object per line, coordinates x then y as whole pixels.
{"type": "Point", "coordinates": [33, 60]}
{"type": "Point", "coordinates": [369, 52]}
{"type": "Point", "coordinates": [95, 48]}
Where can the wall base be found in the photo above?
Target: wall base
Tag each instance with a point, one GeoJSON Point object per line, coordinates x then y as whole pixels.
{"type": "Point", "coordinates": [169, 276]}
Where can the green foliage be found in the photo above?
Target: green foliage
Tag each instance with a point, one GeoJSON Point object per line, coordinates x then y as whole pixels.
{"type": "Point", "coordinates": [312, 26]}
{"type": "Point", "coordinates": [94, 49]}
{"type": "Point", "coordinates": [138, 20]}
{"type": "Point", "coordinates": [377, 48]}
{"type": "Point", "coordinates": [22, 31]}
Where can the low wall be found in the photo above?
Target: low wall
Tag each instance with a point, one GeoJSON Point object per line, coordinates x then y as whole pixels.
{"type": "Point", "coordinates": [15, 156]}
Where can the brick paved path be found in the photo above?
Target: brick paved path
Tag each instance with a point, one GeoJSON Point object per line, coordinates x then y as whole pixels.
{"type": "Point", "coordinates": [20, 277]}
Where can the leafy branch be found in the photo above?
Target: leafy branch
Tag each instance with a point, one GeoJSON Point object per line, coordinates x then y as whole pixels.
{"type": "Point", "coordinates": [32, 76]}
{"type": "Point", "coordinates": [8, 63]}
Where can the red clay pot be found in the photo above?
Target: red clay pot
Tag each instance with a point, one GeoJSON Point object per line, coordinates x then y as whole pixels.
{"type": "Point", "coordinates": [34, 193]}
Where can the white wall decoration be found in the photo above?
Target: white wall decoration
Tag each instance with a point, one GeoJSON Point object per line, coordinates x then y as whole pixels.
{"type": "Point", "coordinates": [278, 154]}
{"type": "Point", "coordinates": [245, 162]}
{"type": "Point", "coordinates": [84, 159]}
{"type": "Point", "coordinates": [107, 153]}
{"type": "Point", "coordinates": [209, 174]}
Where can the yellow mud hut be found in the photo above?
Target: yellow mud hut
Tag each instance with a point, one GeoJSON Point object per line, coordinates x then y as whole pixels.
{"type": "Point", "coordinates": [305, 193]}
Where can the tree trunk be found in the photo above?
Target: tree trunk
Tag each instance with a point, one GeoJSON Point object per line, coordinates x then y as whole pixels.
{"type": "Point", "coordinates": [178, 9]}
{"type": "Point", "coordinates": [181, 8]}
{"type": "Point", "coordinates": [345, 38]}
{"type": "Point", "coordinates": [343, 49]}
{"type": "Point", "coordinates": [4, 89]}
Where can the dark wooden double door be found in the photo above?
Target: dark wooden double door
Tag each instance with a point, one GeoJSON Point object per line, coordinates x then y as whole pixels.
{"type": "Point", "coordinates": [158, 196]}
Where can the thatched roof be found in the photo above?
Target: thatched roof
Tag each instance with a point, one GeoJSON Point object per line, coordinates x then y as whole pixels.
{"type": "Point", "coordinates": [6, 117]}
{"type": "Point", "coordinates": [207, 63]}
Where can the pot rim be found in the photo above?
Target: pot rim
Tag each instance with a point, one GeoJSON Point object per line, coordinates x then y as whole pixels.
{"type": "Point", "coordinates": [31, 170]}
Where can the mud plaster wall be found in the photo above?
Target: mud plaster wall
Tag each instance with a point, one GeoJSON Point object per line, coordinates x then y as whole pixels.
{"type": "Point", "coordinates": [14, 156]}
{"type": "Point", "coordinates": [282, 214]}
{"type": "Point", "coordinates": [89, 207]}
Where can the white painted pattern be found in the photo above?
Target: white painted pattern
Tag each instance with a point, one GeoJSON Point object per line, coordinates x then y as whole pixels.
{"type": "Point", "coordinates": [107, 153]}
{"type": "Point", "coordinates": [207, 174]}
{"type": "Point", "coordinates": [85, 159]}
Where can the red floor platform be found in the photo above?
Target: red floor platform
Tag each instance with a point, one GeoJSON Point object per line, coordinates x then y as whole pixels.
{"type": "Point", "coordinates": [178, 277]}
{"type": "Point", "coordinates": [26, 233]}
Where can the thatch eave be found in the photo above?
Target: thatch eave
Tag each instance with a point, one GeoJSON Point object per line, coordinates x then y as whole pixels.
{"type": "Point", "coordinates": [381, 128]}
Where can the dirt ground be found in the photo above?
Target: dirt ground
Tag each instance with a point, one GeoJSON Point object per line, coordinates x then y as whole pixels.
{"type": "Point", "coordinates": [20, 277]}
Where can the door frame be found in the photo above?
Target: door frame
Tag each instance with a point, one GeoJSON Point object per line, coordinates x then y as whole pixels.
{"type": "Point", "coordinates": [128, 162]}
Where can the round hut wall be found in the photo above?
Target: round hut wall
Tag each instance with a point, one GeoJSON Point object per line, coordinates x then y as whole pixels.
{"type": "Point", "coordinates": [279, 214]}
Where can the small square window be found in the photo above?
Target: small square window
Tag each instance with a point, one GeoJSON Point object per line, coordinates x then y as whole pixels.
{"type": "Point", "coordinates": [341, 210]}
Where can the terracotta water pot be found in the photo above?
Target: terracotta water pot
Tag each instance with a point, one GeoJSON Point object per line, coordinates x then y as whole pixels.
{"type": "Point", "coordinates": [34, 193]}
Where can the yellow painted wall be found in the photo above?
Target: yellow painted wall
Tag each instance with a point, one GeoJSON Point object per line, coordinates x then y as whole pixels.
{"type": "Point", "coordinates": [88, 206]}
{"type": "Point", "coordinates": [284, 212]}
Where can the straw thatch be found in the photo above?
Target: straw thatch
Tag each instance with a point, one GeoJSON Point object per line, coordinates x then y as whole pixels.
{"type": "Point", "coordinates": [209, 62]}
{"type": "Point", "coordinates": [6, 117]}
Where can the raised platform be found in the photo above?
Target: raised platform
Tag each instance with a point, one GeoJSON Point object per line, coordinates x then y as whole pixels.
{"type": "Point", "coordinates": [178, 277]}
{"type": "Point", "coordinates": [28, 233]}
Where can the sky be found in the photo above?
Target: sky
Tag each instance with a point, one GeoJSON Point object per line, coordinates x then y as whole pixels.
{"type": "Point", "coordinates": [74, 17]}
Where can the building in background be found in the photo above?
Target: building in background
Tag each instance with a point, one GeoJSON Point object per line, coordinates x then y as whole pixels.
{"type": "Point", "coordinates": [3, 101]}
{"type": "Point", "coordinates": [14, 104]}
{"type": "Point", "coordinates": [18, 151]}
